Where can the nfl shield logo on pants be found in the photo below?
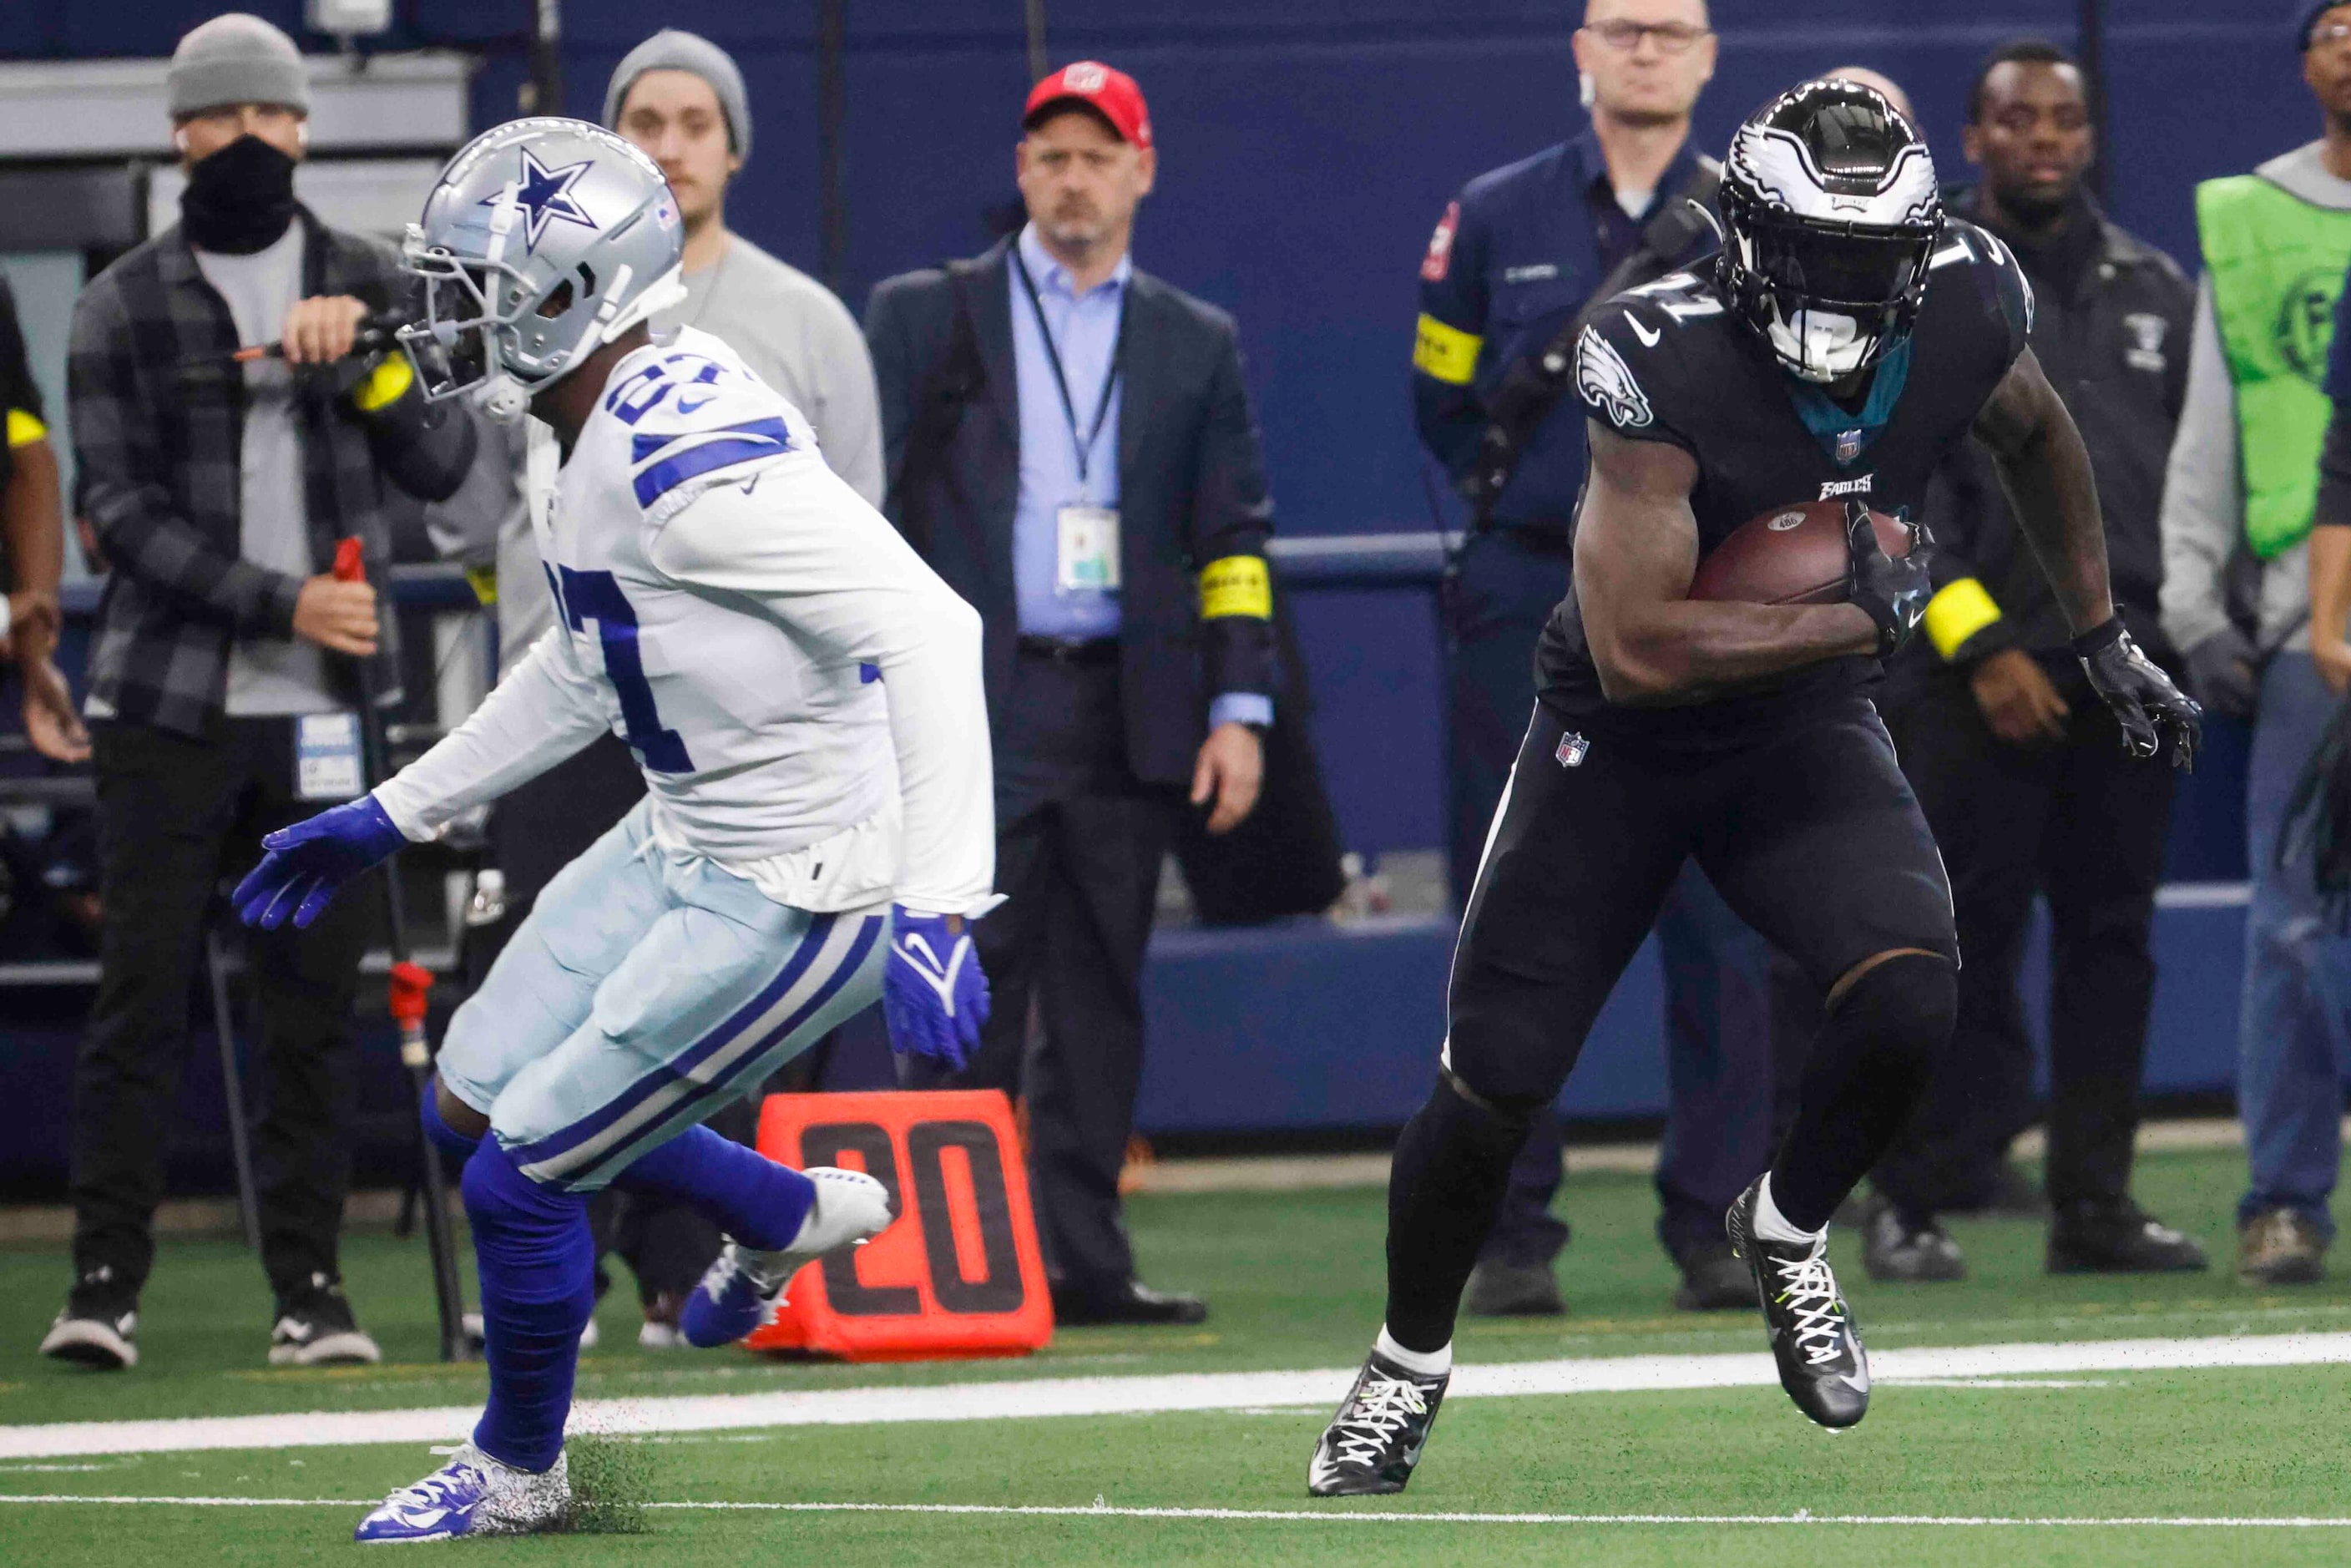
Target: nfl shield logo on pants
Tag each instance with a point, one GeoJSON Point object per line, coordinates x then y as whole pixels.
{"type": "Point", "coordinates": [1571, 748]}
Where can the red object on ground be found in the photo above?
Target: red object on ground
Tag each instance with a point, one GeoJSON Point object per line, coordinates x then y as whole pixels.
{"type": "Point", "coordinates": [958, 1274]}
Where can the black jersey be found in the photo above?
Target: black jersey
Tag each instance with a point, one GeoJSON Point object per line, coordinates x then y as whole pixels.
{"type": "Point", "coordinates": [1670, 363]}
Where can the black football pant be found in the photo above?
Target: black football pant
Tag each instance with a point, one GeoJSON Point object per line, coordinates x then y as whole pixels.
{"type": "Point", "coordinates": [1717, 1131]}
{"type": "Point", "coordinates": [175, 815]}
{"type": "Point", "coordinates": [2084, 825]}
{"type": "Point", "coordinates": [1813, 838]}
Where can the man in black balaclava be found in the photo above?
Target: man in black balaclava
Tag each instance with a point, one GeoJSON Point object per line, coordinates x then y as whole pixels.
{"type": "Point", "coordinates": [223, 673]}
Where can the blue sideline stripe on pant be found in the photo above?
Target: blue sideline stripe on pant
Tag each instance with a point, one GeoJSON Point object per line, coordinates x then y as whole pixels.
{"type": "Point", "coordinates": [645, 990]}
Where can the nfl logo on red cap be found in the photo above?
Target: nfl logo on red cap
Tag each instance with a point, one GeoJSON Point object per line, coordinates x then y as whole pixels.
{"type": "Point", "coordinates": [1109, 92]}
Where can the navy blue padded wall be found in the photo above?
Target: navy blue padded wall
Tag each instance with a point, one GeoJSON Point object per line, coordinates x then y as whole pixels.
{"type": "Point", "coordinates": [1307, 146]}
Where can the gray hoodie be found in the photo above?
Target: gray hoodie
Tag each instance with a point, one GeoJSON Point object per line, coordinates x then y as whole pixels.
{"type": "Point", "coordinates": [2204, 489]}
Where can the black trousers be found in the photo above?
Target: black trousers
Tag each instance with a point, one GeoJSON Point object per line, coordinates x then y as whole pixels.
{"type": "Point", "coordinates": [1719, 1133]}
{"type": "Point", "coordinates": [1078, 850]}
{"type": "Point", "coordinates": [174, 816]}
{"type": "Point", "coordinates": [2083, 825]}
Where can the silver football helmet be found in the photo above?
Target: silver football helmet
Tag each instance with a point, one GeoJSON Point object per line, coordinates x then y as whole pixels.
{"type": "Point", "coordinates": [544, 239]}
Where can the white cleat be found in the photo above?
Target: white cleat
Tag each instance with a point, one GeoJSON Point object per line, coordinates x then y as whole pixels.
{"type": "Point", "coordinates": [473, 1494]}
{"type": "Point", "coordinates": [740, 1293]}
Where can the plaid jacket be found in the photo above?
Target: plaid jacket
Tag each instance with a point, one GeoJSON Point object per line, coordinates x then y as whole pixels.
{"type": "Point", "coordinates": [157, 418]}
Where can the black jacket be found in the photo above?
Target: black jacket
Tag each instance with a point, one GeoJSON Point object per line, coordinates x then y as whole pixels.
{"type": "Point", "coordinates": [1191, 485]}
{"type": "Point", "coordinates": [2116, 347]}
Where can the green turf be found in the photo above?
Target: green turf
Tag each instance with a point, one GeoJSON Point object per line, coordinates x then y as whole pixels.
{"type": "Point", "coordinates": [1294, 1281]}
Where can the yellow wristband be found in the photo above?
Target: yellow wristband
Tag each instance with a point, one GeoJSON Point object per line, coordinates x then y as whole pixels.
{"type": "Point", "coordinates": [25, 427]}
{"type": "Point", "coordinates": [385, 384]}
{"type": "Point", "coordinates": [1957, 613]}
{"type": "Point", "coordinates": [1236, 585]}
{"type": "Point", "coordinates": [1444, 353]}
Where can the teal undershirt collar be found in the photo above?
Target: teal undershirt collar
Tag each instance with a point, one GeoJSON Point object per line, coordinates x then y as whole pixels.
{"type": "Point", "coordinates": [1845, 436]}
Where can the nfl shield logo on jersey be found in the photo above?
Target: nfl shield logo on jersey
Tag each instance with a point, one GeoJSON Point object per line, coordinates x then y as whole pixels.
{"type": "Point", "coordinates": [1848, 446]}
{"type": "Point", "coordinates": [1571, 749]}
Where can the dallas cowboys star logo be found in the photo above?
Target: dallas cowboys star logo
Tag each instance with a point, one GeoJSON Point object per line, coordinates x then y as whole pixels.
{"type": "Point", "coordinates": [544, 195]}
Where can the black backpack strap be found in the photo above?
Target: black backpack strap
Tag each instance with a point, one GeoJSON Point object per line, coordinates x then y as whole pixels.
{"type": "Point", "coordinates": [1534, 384]}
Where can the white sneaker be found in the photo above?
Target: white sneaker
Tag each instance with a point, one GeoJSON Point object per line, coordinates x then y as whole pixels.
{"type": "Point", "coordinates": [473, 1494]}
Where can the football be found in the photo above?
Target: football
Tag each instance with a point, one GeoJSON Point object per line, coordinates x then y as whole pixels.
{"type": "Point", "coordinates": [1790, 555]}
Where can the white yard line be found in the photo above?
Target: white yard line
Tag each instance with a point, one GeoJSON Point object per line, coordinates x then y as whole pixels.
{"type": "Point", "coordinates": [1223, 1391]}
{"type": "Point", "coordinates": [1338, 1514]}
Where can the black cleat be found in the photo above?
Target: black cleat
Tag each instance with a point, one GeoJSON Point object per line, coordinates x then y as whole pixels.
{"type": "Point", "coordinates": [1822, 1364]}
{"type": "Point", "coordinates": [99, 1326]}
{"type": "Point", "coordinates": [1375, 1440]}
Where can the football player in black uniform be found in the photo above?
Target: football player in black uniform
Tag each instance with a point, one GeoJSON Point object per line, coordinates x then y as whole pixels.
{"type": "Point", "coordinates": [1849, 334]}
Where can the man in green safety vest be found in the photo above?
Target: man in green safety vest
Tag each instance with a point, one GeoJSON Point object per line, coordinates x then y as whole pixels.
{"type": "Point", "coordinates": [2238, 503]}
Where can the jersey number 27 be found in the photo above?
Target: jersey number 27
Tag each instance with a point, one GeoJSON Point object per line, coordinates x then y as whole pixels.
{"type": "Point", "coordinates": [596, 596]}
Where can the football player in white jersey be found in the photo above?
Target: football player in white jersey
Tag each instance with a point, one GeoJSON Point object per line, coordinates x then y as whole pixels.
{"type": "Point", "coordinates": [804, 697]}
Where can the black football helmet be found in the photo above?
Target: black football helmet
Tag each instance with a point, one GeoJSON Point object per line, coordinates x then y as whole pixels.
{"type": "Point", "coordinates": [1831, 217]}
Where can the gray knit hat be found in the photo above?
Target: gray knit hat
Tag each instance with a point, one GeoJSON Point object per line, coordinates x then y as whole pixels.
{"type": "Point", "coordinates": [675, 49]}
{"type": "Point", "coordinates": [237, 58]}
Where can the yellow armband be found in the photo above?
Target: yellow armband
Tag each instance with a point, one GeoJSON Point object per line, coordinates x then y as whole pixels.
{"type": "Point", "coordinates": [25, 427]}
{"type": "Point", "coordinates": [1444, 353]}
{"type": "Point", "coordinates": [1236, 585]}
{"type": "Point", "coordinates": [385, 384]}
{"type": "Point", "coordinates": [1957, 613]}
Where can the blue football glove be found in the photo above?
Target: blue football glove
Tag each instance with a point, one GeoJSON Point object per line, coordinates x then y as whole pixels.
{"type": "Point", "coordinates": [932, 992]}
{"type": "Point", "coordinates": [307, 861]}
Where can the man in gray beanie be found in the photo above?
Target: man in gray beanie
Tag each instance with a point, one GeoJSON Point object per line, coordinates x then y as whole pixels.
{"type": "Point", "coordinates": [223, 669]}
{"type": "Point", "coordinates": [680, 97]}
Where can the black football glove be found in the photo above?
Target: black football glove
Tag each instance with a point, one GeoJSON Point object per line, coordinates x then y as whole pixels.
{"type": "Point", "coordinates": [2141, 696]}
{"type": "Point", "coordinates": [1894, 592]}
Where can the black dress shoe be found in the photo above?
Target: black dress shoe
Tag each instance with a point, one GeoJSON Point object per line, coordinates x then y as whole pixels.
{"type": "Point", "coordinates": [1132, 1301]}
{"type": "Point", "coordinates": [2119, 1239]}
{"type": "Point", "coordinates": [1714, 1279]}
{"type": "Point", "coordinates": [1502, 1290]}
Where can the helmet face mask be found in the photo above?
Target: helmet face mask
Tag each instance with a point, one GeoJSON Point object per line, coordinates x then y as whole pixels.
{"type": "Point", "coordinates": [544, 240]}
{"type": "Point", "coordinates": [1831, 217]}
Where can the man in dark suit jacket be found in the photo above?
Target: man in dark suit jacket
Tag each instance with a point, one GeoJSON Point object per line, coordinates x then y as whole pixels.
{"type": "Point", "coordinates": [1071, 447]}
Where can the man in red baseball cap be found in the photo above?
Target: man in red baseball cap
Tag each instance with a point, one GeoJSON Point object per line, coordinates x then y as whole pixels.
{"type": "Point", "coordinates": [1085, 165]}
{"type": "Point", "coordinates": [1074, 451]}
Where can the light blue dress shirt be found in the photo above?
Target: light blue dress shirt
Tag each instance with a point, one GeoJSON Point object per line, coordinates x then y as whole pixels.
{"type": "Point", "coordinates": [1085, 336]}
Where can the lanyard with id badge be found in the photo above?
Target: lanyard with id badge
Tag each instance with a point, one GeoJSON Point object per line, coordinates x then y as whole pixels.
{"type": "Point", "coordinates": [1085, 555]}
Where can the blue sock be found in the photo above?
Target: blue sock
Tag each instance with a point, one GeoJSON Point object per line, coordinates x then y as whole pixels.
{"type": "Point", "coordinates": [537, 1267]}
{"type": "Point", "coordinates": [743, 1192]}
{"type": "Point", "coordinates": [455, 1146]}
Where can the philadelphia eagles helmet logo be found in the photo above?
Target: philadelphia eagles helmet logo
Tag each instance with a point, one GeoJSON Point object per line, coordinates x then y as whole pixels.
{"type": "Point", "coordinates": [1606, 381]}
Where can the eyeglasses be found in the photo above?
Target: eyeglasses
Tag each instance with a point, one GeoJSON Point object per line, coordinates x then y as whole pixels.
{"type": "Point", "coordinates": [1672, 37]}
{"type": "Point", "coordinates": [2330, 33]}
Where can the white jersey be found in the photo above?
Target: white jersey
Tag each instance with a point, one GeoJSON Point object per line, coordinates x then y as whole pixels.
{"type": "Point", "coordinates": [803, 694]}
